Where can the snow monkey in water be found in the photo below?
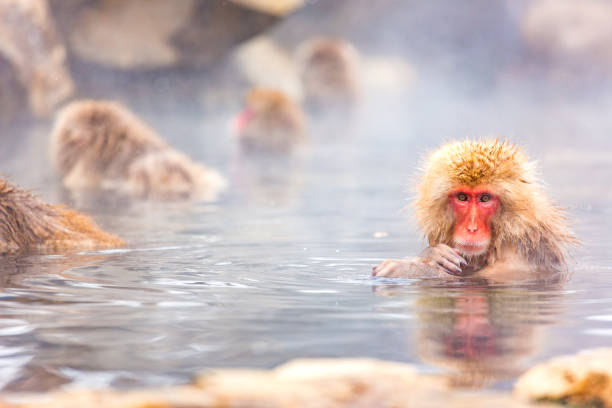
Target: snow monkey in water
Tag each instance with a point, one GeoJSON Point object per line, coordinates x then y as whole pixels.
{"type": "Point", "coordinates": [329, 71]}
{"type": "Point", "coordinates": [484, 215]}
{"type": "Point", "coordinates": [29, 224]}
{"type": "Point", "coordinates": [270, 122]}
{"type": "Point", "coordinates": [101, 145]}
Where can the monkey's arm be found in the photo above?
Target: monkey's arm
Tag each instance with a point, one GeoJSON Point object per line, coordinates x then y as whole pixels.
{"type": "Point", "coordinates": [434, 262]}
{"type": "Point", "coordinates": [406, 268]}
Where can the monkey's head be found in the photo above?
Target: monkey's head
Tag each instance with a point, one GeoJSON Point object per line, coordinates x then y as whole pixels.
{"type": "Point", "coordinates": [270, 121]}
{"type": "Point", "coordinates": [328, 68]}
{"type": "Point", "coordinates": [482, 196]}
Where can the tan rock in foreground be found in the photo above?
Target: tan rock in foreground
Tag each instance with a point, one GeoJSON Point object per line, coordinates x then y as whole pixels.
{"type": "Point", "coordinates": [307, 383]}
{"type": "Point", "coordinates": [583, 379]}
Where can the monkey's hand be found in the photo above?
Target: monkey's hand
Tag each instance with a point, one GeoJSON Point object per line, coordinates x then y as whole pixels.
{"type": "Point", "coordinates": [444, 258]}
{"type": "Point", "coordinates": [394, 268]}
{"type": "Point", "coordinates": [407, 268]}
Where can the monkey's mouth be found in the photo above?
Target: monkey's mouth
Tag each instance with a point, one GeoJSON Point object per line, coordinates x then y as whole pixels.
{"type": "Point", "coordinates": [472, 248]}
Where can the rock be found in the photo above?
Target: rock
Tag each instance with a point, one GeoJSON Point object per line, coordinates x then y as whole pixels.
{"type": "Point", "coordinates": [574, 32]}
{"type": "Point", "coordinates": [387, 75]}
{"type": "Point", "coordinates": [159, 34]}
{"type": "Point", "coordinates": [322, 383]}
{"type": "Point", "coordinates": [583, 379]}
{"type": "Point", "coordinates": [303, 383]}
{"type": "Point", "coordinates": [13, 98]}
{"type": "Point", "coordinates": [263, 63]}
{"type": "Point", "coordinates": [274, 7]}
{"type": "Point", "coordinates": [30, 43]}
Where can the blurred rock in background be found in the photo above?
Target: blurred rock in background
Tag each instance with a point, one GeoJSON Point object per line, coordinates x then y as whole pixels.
{"type": "Point", "coordinates": [36, 55]}
{"type": "Point", "coordinates": [157, 34]}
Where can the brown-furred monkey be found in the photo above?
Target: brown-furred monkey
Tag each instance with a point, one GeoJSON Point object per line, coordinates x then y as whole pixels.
{"type": "Point", "coordinates": [29, 224]}
{"type": "Point", "coordinates": [101, 145]}
{"type": "Point", "coordinates": [270, 123]}
{"type": "Point", "coordinates": [484, 215]}
{"type": "Point", "coordinates": [329, 69]}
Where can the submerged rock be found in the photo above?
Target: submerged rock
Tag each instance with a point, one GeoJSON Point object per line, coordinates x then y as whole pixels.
{"type": "Point", "coordinates": [30, 43]}
{"type": "Point", "coordinates": [583, 379]}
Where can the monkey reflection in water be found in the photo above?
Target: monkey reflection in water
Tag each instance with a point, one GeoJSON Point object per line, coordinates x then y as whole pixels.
{"type": "Point", "coordinates": [485, 216]}
{"type": "Point", "coordinates": [479, 335]}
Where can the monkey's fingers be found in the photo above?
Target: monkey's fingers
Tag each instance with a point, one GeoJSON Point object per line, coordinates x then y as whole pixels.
{"type": "Point", "coordinates": [387, 269]}
{"type": "Point", "coordinates": [459, 253]}
{"type": "Point", "coordinates": [450, 254]}
{"type": "Point", "coordinates": [450, 267]}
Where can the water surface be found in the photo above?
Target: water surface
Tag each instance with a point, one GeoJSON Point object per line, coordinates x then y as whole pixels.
{"type": "Point", "coordinates": [279, 267]}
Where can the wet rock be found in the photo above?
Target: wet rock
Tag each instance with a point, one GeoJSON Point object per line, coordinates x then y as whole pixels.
{"type": "Point", "coordinates": [583, 379]}
{"type": "Point", "coordinates": [387, 75]}
{"type": "Point", "coordinates": [320, 383]}
{"type": "Point", "coordinates": [274, 7]}
{"type": "Point", "coordinates": [576, 33]}
{"type": "Point", "coordinates": [13, 99]}
{"type": "Point", "coordinates": [263, 63]}
{"type": "Point", "coordinates": [30, 43]}
{"type": "Point", "coordinates": [157, 34]}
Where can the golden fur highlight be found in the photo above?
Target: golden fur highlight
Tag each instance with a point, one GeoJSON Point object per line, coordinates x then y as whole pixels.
{"type": "Point", "coordinates": [526, 220]}
{"type": "Point", "coordinates": [29, 224]}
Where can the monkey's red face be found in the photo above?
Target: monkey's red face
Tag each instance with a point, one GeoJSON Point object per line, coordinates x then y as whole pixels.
{"type": "Point", "coordinates": [243, 119]}
{"type": "Point", "coordinates": [473, 208]}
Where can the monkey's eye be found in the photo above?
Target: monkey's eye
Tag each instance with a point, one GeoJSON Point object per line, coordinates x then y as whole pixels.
{"type": "Point", "coordinates": [462, 197]}
{"type": "Point", "coordinates": [485, 197]}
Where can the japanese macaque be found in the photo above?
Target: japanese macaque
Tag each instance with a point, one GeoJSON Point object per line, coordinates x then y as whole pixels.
{"type": "Point", "coordinates": [29, 224]}
{"type": "Point", "coordinates": [270, 123]}
{"type": "Point", "coordinates": [329, 71]}
{"type": "Point", "coordinates": [484, 215]}
{"type": "Point", "coordinates": [101, 145]}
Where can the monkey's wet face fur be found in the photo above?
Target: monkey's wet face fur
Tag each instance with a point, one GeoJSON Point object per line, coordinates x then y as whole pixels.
{"type": "Point", "coordinates": [482, 198]}
{"type": "Point", "coordinates": [101, 145]}
{"type": "Point", "coordinates": [29, 224]}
